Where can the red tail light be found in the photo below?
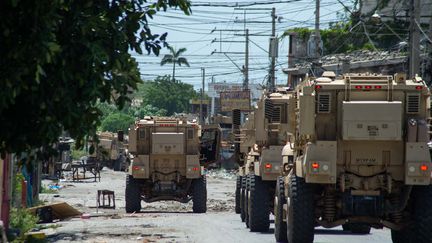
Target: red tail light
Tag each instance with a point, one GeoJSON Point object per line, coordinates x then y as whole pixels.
{"type": "Point", "coordinates": [368, 87]}
{"type": "Point", "coordinates": [358, 87]}
{"type": "Point", "coordinates": [195, 169]}
{"type": "Point", "coordinates": [419, 87]}
{"type": "Point", "coordinates": [318, 87]}
{"type": "Point", "coordinates": [135, 168]}
{"type": "Point", "coordinates": [268, 166]}
{"type": "Point", "coordinates": [423, 167]}
{"type": "Point", "coordinates": [378, 87]}
{"type": "Point", "coordinates": [315, 165]}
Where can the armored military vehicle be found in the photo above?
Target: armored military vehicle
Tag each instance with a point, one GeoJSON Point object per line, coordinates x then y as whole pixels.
{"type": "Point", "coordinates": [359, 159]}
{"type": "Point", "coordinates": [110, 151]}
{"type": "Point", "coordinates": [169, 159]}
{"type": "Point", "coordinates": [262, 138]}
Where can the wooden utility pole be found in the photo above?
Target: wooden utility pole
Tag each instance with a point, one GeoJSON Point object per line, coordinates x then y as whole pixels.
{"type": "Point", "coordinates": [202, 97]}
{"type": "Point", "coordinates": [414, 43]}
{"type": "Point", "coordinates": [273, 51]}
{"type": "Point", "coordinates": [246, 67]}
{"type": "Point", "coordinates": [317, 30]}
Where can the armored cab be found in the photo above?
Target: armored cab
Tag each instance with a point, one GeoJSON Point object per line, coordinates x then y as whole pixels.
{"type": "Point", "coordinates": [360, 158]}
{"type": "Point", "coordinates": [169, 159]}
{"type": "Point", "coordinates": [262, 139]}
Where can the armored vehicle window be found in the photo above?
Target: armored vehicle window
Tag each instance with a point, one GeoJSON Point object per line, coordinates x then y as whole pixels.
{"type": "Point", "coordinates": [190, 133]}
{"type": "Point", "coordinates": [142, 133]}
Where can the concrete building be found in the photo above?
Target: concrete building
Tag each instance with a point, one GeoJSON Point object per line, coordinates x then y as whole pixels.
{"type": "Point", "coordinates": [395, 9]}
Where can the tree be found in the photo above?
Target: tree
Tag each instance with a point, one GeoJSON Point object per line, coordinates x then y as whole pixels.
{"type": "Point", "coordinates": [174, 58]}
{"type": "Point", "coordinates": [60, 58]}
{"type": "Point", "coordinates": [117, 121]}
{"type": "Point", "coordinates": [149, 110]}
{"type": "Point", "coordinates": [168, 94]}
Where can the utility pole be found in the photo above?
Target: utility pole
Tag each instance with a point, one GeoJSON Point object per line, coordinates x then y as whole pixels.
{"type": "Point", "coordinates": [414, 44]}
{"type": "Point", "coordinates": [273, 51]}
{"type": "Point", "coordinates": [317, 30]}
{"type": "Point", "coordinates": [246, 66]}
{"type": "Point", "coordinates": [202, 97]}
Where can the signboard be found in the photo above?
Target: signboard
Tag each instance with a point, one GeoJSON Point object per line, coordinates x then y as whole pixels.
{"type": "Point", "coordinates": [231, 100]}
{"type": "Point", "coordinates": [214, 89]}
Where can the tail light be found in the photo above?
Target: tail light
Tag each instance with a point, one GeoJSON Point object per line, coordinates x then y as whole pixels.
{"type": "Point", "coordinates": [424, 167]}
{"type": "Point", "coordinates": [136, 168]}
{"type": "Point", "coordinates": [268, 166]}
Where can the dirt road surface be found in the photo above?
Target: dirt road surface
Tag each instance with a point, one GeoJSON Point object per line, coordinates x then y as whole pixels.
{"type": "Point", "coordinates": [167, 221]}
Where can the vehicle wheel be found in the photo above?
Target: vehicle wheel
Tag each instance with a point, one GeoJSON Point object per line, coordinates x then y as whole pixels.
{"type": "Point", "coordinates": [237, 195]}
{"type": "Point", "coordinates": [117, 164]}
{"type": "Point", "coordinates": [132, 195]}
{"type": "Point", "coordinates": [279, 200]}
{"type": "Point", "coordinates": [300, 215]}
{"type": "Point", "coordinates": [258, 205]}
{"type": "Point", "coordinates": [401, 236]}
{"type": "Point", "coordinates": [243, 198]}
{"type": "Point", "coordinates": [346, 227]}
{"type": "Point", "coordinates": [199, 195]}
{"type": "Point", "coordinates": [246, 201]}
{"type": "Point", "coordinates": [421, 213]}
{"type": "Point", "coordinates": [358, 228]}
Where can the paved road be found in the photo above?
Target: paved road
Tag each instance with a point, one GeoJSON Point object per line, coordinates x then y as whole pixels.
{"type": "Point", "coordinates": [170, 221]}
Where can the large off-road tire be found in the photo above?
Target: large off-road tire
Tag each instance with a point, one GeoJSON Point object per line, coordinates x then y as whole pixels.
{"type": "Point", "coordinates": [357, 228]}
{"type": "Point", "coordinates": [301, 213]}
{"type": "Point", "coordinates": [243, 199]}
{"type": "Point", "coordinates": [420, 230]}
{"type": "Point", "coordinates": [279, 200]}
{"type": "Point", "coordinates": [117, 164]}
{"type": "Point", "coordinates": [401, 236]}
{"type": "Point", "coordinates": [258, 205]}
{"type": "Point", "coordinates": [237, 195]}
{"type": "Point", "coordinates": [246, 201]}
{"type": "Point", "coordinates": [132, 195]}
{"type": "Point", "coordinates": [199, 195]}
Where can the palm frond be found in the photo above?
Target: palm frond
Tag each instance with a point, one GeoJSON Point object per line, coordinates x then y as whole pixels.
{"type": "Point", "coordinates": [172, 50]}
{"type": "Point", "coordinates": [182, 60]}
{"type": "Point", "coordinates": [167, 59]}
{"type": "Point", "coordinates": [180, 51]}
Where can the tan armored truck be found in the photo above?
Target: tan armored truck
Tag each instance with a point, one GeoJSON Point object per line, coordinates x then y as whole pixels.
{"type": "Point", "coordinates": [262, 138]}
{"type": "Point", "coordinates": [360, 160]}
{"type": "Point", "coordinates": [111, 151]}
{"type": "Point", "coordinates": [169, 159]}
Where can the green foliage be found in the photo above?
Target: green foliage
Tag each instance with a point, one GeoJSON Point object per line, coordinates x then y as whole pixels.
{"type": "Point", "coordinates": [149, 110]}
{"type": "Point", "coordinates": [117, 121]}
{"type": "Point", "coordinates": [60, 58]}
{"type": "Point", "coordinates": [344, 36]}
{"type": "Point", "coordinates": [23, 220]}
{"type": "Point", "coordinates": [170, 95]}
{"type": "Point", "coordinates": [78, 153]}
{"type": "Point", "coordinates": [45, 189]}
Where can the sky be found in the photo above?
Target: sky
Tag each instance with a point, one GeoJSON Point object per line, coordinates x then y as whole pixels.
{"type": "Point", "coordinates": [194, 33]}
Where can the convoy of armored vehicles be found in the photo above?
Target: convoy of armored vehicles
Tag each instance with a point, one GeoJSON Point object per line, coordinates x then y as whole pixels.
{"type": "Point", "coordinates": [348, 151]}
